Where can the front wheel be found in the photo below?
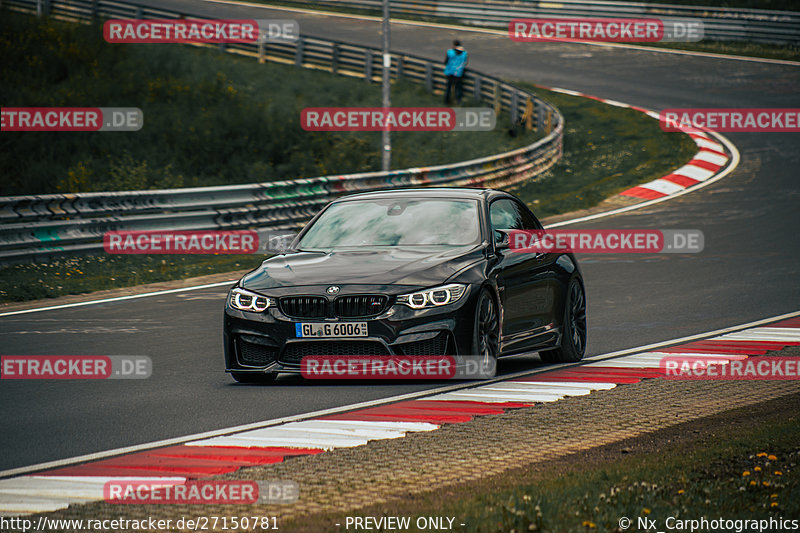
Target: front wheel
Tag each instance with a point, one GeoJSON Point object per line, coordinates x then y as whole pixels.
{"type": "Point", "coordinates": [486, 332]}
{"type": "Point", "coordinates": [253, 377]}
{"type": "Point", "coordinates": [573, 338]}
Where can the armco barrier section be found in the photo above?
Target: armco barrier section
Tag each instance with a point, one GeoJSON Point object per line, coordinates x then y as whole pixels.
{"type": "Point", "coordinates": [720, 24]}
{"type": "Point", "coordinates": [41, 226]}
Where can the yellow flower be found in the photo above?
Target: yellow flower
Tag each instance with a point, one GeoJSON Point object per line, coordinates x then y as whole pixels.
{"type": "Point", "coordinates": [773, 496]}
{"type": "Point", "coordinates": [680, 491]}
{"type": "Point", "coordinates": [752, 483]}
{"type": "Point", "coordinates": [762, 454]}
{"type": "Point", "coordinates": [765, 483]}
{"type": "Point", "coordinates": [757, 469]}
{"type": "Point", "coordinates": [746, 473]}
{"type": "Point", "coordinates": [646, 510]}
{"type": "Point", "coordinates": [773, 504]}
{"type": "Point", "coordinates": [589, 524]}
{"type": "Point", "coordinates": [778, 473]}
{"type": "Point", "coordinates": [772, 458]}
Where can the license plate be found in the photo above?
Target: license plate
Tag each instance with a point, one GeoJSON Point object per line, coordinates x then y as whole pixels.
{"type": "Point", "coordinates": [338, 329]}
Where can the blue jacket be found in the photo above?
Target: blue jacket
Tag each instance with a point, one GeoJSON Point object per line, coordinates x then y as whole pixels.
{"type": "Point", "coordinates": [455, 62]}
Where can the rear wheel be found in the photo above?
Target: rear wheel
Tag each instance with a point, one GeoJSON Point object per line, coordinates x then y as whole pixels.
{"type": "Point", "coordinates": [253, 377]}
{"type": "Point", "coordinates": [573, 338]}
{"type": "Point", "coordinates": [486, 333]}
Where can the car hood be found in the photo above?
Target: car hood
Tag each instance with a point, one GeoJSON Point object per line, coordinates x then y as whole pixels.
{"type": "Point", "coordinates": [391, 266]}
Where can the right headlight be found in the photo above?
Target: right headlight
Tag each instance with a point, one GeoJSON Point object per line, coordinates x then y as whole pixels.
{"type": "Point", "coordinates": [435, 297]}
{"type": "Point", "coordinates": [245, 300]}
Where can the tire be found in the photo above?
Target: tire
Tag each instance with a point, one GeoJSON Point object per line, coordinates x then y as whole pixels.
{"type": "Point", "coordinates": [486, 330]}
{"type": "Point", "coordinates": [573, 339]}
{"type": "Point", "coordinates": [253, 378]}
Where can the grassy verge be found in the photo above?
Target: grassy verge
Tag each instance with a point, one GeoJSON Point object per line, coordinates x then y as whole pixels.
{"type": "Point", "coordinates": [607, 149]}
{"type": "Point", "coordinates": [77, 275]}
{"type": "Point", "coordinates": [743, 466]}
{"type": "Point", "coordinates": [210, 118]}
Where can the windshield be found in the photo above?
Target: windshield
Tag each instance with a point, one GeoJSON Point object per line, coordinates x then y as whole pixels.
{"type": "Point", "coordinates": [395, 222]}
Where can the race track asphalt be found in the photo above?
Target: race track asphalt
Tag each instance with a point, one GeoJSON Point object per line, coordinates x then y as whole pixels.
{"type": "Point", "coordinates": [748, 270]}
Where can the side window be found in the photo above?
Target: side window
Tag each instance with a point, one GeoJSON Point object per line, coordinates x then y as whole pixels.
{"type": "Point", "coordinates": [509, 214]}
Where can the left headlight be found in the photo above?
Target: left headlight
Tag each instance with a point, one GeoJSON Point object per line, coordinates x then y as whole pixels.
{"type": "Point", "coordinates": [435, 297]}
{"type": "Point", "coordinates": [245, 300]}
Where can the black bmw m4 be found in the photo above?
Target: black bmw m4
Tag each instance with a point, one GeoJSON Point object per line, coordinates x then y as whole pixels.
{"type": "Point", "coordinates": [406, 272]}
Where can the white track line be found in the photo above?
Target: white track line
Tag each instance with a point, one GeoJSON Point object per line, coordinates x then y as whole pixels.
{"type": "Point", "coordinates": [119, 298]}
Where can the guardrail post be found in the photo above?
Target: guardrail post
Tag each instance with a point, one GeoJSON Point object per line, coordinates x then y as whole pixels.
{"type": "Point", "coordinates": [335, 58]}
{"type": "Point", "coordinates": [262, 50]}
{"type": "Point", "coordinates": [476, 88]}
{"type": "Point", "coordinates": [368, 65]}
{"type": "Point", "coordinates": [429, 77]}
{"type": "Point", "coordinates": [400, 66]}
{"type": "Point", "coordinates": [540, 114]}
{"type": "Point", "coordinates": [298, 52]}
{"type": "Point", "coordinates": [47, 8]}
{"type": "Point", "coordinates": [139, 13]}
{"type": "Point", "coordinates": [222, 47]}
{"type": "Point", "coordinates": [514, 111]}
{"type": "Point", "coordinates": [529, 107]}
{"type": "Point", "coordinates": [498, 99]}
{"type": "Point", "coordinates": [94, 10]}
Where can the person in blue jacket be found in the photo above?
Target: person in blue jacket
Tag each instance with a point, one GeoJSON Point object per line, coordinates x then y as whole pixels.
{"type": "Point", "coordinates": [454, 64]}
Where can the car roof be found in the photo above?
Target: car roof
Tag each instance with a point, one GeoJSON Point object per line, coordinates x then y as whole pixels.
{"type": "Point", "coordinates": [428, 192]}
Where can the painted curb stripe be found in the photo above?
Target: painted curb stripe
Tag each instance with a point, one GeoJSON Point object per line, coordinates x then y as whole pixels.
{"type": "Point", "coordinates": [683, 181]}
{"type": "Point", "coordinates": [663, 186]}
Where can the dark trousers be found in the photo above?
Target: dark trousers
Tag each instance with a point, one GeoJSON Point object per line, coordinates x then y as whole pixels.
{"type": "Point", "coordinates": [454, 82]}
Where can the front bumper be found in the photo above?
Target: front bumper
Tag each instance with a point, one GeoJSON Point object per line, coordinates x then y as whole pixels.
{"type": "Point", "coordinates": [267, 342]}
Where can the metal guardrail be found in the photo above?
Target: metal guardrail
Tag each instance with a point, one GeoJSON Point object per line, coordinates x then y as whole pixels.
{"type": "Point", "coordinates": [720, 24]}
{"type": "Point", "coordinates": [38, 227]}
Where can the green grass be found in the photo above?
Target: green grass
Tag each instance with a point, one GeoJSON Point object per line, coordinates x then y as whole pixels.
{"type": "Point", "coordinates": [606, 150]}
{"type": "Point", "coordinates": [210, 118]}
{"type": "Point", "coordinates": [744, 471]}
{"type": "Point", "coordinates": [719, 480]}
{"type": "Point", "coordinates": [76, 275]}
